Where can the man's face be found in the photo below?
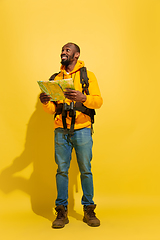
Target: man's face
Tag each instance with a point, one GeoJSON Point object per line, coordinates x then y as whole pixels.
{"type": "Point", "coordinates": [67, 54]}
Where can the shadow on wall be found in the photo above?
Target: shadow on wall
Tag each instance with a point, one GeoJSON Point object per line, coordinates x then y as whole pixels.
{"type": "Point", "coordinates": [41, 186]}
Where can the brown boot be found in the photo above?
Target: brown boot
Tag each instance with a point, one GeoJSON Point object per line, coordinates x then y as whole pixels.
{"type": "Point", "coordinates": [61, 218]}
{"type": "Point", "coordinates": [90, 216]}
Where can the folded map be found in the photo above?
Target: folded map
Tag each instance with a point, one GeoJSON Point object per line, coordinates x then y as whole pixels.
{"type": "Point", "coordinates": [56, 88]}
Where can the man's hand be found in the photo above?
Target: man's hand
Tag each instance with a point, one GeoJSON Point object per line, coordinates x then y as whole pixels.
{"type": "Point", "coordinates": [75, 95]}
{"type": "Point", "coordinates": [44, 98]}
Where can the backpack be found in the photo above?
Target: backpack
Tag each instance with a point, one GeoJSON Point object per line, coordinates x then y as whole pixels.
{"type": "Point", "coordinates": [63, 108]}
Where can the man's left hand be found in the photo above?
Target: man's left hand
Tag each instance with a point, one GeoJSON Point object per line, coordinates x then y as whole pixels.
{"type": "Point", "coordinates": [75, 95]}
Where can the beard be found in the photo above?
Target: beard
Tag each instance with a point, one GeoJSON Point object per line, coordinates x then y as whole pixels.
{"type": "Point", "coordinates": [67, 61]}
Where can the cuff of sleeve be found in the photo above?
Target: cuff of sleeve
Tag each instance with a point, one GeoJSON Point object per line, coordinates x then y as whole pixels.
{"type": "Point", "coordinates": [87, 101]}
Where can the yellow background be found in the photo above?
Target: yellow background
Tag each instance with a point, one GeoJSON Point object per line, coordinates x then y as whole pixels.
{"type": "Point", "coordinates": [119, 42]}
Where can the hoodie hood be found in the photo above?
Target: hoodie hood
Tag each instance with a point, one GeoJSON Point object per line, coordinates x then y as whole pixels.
{"type": "Point", "coordinates": [78, 65]}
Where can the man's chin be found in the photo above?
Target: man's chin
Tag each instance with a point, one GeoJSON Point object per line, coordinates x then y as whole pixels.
{"type": "Point", "coordinates": [64, 62]}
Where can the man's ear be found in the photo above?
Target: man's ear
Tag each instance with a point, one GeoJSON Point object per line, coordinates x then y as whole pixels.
{"type": "Point", "coordinates": [77, 54]}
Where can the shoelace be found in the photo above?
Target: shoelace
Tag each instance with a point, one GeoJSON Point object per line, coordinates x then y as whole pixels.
{"type": "Point", "coordinates": [91, 213]}
{"type": "Point", "coordinates": [60, 214]}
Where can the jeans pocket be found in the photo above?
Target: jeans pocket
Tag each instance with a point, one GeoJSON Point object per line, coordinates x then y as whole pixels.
{"type": "Point", "coordinates": [83, 137]}
{"type": "Point", "coordinates": [59, 137]}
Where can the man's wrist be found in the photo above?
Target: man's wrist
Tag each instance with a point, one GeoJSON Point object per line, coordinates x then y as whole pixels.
{"type": "Point", "coordinates": [84, 98]}
{"type": "Point", "coordinates": [46, 102]}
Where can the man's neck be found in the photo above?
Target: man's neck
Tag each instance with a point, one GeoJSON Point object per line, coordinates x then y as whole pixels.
{"type": "Point", "coordinates": [70, 67]}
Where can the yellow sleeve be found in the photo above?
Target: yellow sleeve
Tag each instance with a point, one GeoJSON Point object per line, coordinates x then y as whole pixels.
{"type": "Point", "coordinates": [94, 99]}
{"type": "Point", "coordinates": [49, 107]}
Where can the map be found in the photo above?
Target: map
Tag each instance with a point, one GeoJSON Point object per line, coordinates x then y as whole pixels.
{"type": "Point", "coordinates": [56, 88]}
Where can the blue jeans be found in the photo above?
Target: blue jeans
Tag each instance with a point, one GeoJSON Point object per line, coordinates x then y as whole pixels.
{"type": "Point", "coordinates": [82, 142]}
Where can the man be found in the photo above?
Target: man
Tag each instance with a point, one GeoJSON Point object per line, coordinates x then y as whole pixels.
{"type": "Point", "coordinates": [80, 138]}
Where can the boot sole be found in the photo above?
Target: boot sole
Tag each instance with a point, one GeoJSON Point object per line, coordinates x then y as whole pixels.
{"type": "Point", "coordinates": [61, 226]}
{"type": "Point", "coordinates": [90, 224]}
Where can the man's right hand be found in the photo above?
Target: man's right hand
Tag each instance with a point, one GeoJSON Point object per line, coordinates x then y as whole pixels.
{"type": "Point", "coordinates": [44, 98]}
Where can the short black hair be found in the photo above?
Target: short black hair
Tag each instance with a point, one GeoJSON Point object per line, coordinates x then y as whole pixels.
{"type": "Point", "coordinates": [76, 46]}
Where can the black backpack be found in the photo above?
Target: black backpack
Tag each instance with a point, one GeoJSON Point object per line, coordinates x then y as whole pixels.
{"type": "Point", "coordinates": [63, 108]}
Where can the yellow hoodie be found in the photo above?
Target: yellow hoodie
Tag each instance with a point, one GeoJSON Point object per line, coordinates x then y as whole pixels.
{"type": "Point", "coordinates": [93, 101]}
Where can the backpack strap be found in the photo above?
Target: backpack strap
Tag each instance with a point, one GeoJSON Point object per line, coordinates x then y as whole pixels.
{"type": "Point", "coordinates": [84, 80]}
{"type": "Point", "coordinates": [85, 85]}
{"type": "Point", "coordinates": [53, 76]}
